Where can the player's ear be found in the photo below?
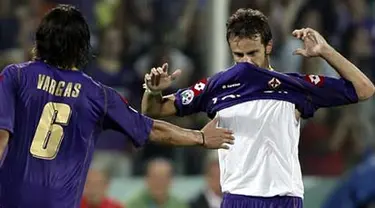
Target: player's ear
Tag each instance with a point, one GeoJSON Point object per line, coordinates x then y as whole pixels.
{"type": "Point", "coordinates": [269, 47]}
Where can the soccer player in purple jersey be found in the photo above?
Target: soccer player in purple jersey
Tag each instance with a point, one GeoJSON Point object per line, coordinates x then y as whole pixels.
{"type": "Point", "coordinates": [262, 107]}
{"type": "Point", "coordinates": [51, 114]}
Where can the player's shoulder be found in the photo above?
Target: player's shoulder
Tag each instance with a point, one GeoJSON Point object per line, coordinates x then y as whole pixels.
{"type": "Point", "coordinates": [91, 81]}
{"type": "Point", "coordinates": [25, 68]}
{"type": "Point", "coordinates": [97, 90]}
{"type": "Point", "coordinates": [13, 68]}
{"type": "Point", "coordinates": [13, 71]}
{"type": "Point", "coordinates": [111, 94]}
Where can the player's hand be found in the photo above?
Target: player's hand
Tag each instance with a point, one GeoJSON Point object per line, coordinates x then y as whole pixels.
{"type": "Point", "coordinates": [159, 79]}
{"type": "Point", "coordinates": [216, 137]}
{"type": "Point", "coordinates": [314, 43]}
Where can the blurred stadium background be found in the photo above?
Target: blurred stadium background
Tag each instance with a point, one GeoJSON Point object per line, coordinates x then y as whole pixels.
{"type": "Point", "coordinates": [131, 36]}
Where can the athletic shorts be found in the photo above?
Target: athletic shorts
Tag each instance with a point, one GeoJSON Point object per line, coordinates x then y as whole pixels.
{"type": "Point", "coordinates": [241, 201]}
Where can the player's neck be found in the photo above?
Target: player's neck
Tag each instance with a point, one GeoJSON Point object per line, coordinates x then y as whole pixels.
{"type": "Point", "coordinates": [72, 68]}
{"type": "Point", "coordinates": [267, 65]}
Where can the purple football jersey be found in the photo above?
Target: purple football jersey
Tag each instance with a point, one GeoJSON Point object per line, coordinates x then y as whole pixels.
{"type": "Point", "coordinates": [245, 82]}
{"type": "Point", "coordinates": [54, 117]}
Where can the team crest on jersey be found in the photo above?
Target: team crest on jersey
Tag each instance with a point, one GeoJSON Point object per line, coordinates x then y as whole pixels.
{"type": "Point", "coordinates": [187, 96]}
{"type": "Point", "coordinates": [315, 79]}
{"type": "Point", "coordinates": [274, 83]}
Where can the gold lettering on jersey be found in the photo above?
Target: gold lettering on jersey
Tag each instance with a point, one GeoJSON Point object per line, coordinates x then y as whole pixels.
{"type": "Point", "coordinates": [41, 78]}
{"type": "Point", "coordinates": [52, 86]}
{"type": "Point", "coordinates": [46, 84]}
{"type": "Point", "coordinates": [76, 90]}
{"type": "Point", "coordinates": [58, 88]}
{"type": "Point", "coordinates": [68, 90]}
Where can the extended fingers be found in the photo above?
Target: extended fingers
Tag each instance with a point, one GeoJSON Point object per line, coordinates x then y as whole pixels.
{"type": "Point", "coordinates": [298, 33]}
{"type": "Point", "coordinates": [155, 76]}
{"type": "Point", "coordinates": [303, 33]}
{"type": "Point", "coordinates": [147, 78]}
{"type": "Point", "coordinates": [165, 67]}
{"type": "Point", "coordinates": [160, 72]}
{"type": "Point", "coordinates": [227, 136]}
{"type": "Point", "coordinates": [229, 141]}
{"type": "Point", "coordinates": [224, 146]}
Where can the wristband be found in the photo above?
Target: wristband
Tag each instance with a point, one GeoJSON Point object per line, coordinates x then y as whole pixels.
{"type": "Point", "coordinates": [203, 139]}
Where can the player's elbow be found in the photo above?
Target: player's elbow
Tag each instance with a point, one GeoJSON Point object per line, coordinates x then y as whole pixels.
{"type": "Point", "coordinates": [160, 132]}
{"type": "Point", "coordinates": [366, 90]}
{"type": "Point", "coordinates": [150, 111]}
{"type": "Point", "coordinates": [158, 113]}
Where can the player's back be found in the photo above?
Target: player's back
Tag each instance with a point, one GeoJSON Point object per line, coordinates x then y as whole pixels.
{"type": "Point", "coordinates": [56, 120]}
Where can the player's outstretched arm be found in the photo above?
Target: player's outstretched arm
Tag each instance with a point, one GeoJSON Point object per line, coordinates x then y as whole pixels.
{"type": "Point", "coordinates": [210, 136]}
{"type": "Point", "coordinates": [140, 129]}
{"type": "Point", "coordinates": [315, 45]}
{"type": "Point", "coordinates": [154, 104]}
{"type": "Point", "coordinates": [4, 138]}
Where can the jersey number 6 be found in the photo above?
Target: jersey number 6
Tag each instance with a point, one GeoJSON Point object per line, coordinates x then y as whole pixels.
{"type": "Point", "coordinates": [49, 133]}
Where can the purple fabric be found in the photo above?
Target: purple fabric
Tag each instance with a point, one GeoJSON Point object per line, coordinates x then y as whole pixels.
{"type": "Point", "coordinates": [75, 110]}
{"type": "Point", "coordinates": [127, 84]}
{"type": "Point", "coordinates": [240, 201]}
{"type": "Point", "coordinates": [245, 82]}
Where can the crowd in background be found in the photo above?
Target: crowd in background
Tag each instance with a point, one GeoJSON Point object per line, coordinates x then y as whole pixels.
{"type": "Point", "coordinates": [129, 37]}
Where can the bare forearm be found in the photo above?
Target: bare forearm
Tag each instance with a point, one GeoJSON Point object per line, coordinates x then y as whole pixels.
{"type": "Point", "coordinates": [158, 106]}
{"type": "Point", "coordinates": [151, 104]}
{"type": "Point", "coordinates": [362, 84]}
{"type": "Point", "coordinates": [4, 138]}
{"type": "Point", "coordinates": [166, 133]}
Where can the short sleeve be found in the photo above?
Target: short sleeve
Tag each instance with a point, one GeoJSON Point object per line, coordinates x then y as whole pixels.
{"type": "Point", "coordinates": [192, 99]}
{"type": "Point", "coordinates": [8, 93]}
{"type": "Point", "coordinates": [323, 91]}
{"type": "Point", "coordinates": [121, 117]}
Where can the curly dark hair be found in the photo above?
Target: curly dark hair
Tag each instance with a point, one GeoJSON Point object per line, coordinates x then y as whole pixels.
{"type": "Point", "coordinates": [63, 38]}
{"type": "Point", "coordinates": [248, 23]}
